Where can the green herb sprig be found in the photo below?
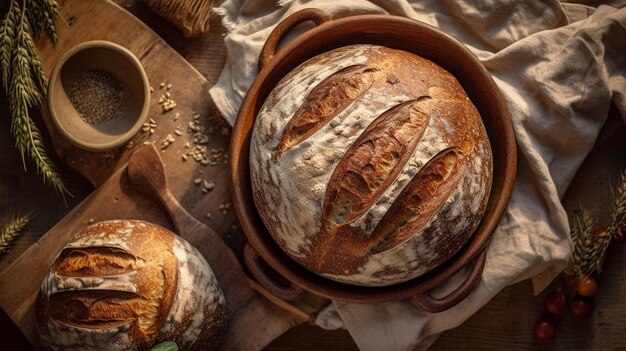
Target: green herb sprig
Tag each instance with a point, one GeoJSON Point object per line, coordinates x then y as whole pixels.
{"type": "Point", "coordinates": [165, 346]}
{"type": "Point", "coordinates": [10, 232]}
{"type": "Point", "coordinates": [24, 79]}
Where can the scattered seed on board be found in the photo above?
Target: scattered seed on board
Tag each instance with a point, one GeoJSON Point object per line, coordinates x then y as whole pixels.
{"type": "Point", "coordinates": [197, 181]}
{"type": "Point", "coordinates": [208, 185]}
{"type": "Point", "coordinates": [200, 153]}
{"type": "Point", "coordinates": [196, 149]}
{"type": "Point", "coordinates": [223, 207]}
{"type": "Point", "coordinates": [149, 127]}
{"type": "Point", "coordinates": [167, 103]}
{"type": "Point", "coordinates": [165, 100]}
{"type": "Point", "coordinates": [169, 139]}
{"type": "Point", "coordinates": [200, 139]}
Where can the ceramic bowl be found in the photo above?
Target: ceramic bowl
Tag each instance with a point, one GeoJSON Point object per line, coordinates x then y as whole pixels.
{"type": "Point", "coordinates": [109, 60]}
{"type": "Point", "coordinates": [264, 257]}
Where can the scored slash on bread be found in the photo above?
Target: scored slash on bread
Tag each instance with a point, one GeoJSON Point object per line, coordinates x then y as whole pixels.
{"type": "Point", "coordinates": [93, 309]}
{"type": "Point", "coordinates": [95, 261]}
{"type": "Point", "coordinates": [370, 165]}
{"type": "Point", "coordinates": [328, 99]}
{"type": "Point", "coordinates": [372, 162]}
{"type": "Point", "coordinates": [413, 208]}
{"type": "Point", "coordinates": [419, 201]}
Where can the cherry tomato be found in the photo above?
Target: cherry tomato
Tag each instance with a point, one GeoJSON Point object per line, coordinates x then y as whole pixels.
{"type": "Point", "coordinates": [586, 286]}
{"type": "Point", "coordinates": [544, 330]}
{"type": "Point", "coordinates": [554, 303]}
{"type": "Point", "coordinates": [581, 307]}
{"type": "Point", "coordinates": [599, 231]}
{"type": "Point", "coordinates": [570, 280]}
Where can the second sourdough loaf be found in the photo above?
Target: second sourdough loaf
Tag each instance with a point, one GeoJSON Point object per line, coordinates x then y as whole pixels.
{"type": "Point", "coordinates": [128, 285]}
{"type": "Point", "coordinates": [370, 166]}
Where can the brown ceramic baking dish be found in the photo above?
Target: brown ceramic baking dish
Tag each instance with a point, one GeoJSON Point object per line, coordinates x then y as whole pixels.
{"type": "Point", "coordinates": [264, 258]}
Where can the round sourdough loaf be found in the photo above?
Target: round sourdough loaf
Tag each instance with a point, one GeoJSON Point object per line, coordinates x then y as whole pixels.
{"type": "Point", "coordinates": [370, 166]}
{"type": "Point", "coordinates": [127, 285]}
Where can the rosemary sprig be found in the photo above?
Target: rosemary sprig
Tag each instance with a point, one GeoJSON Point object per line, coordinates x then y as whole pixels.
{"type": "Point", "coordinates": [165, 346]}
{"type": "Point", "coordinates": [13, 228]}
{"type": "Point", "coordinates": [589, 246]}
{"type": "Point", "coordinates": [24, 79]}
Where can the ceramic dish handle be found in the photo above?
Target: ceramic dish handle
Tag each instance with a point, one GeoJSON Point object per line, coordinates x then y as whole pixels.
{"type": "Point", "coordinates": [259, 271]}
{"type": "Point", "coordinates": [428, 303]}
{"type": "Point", "coordinates": [269, 49]}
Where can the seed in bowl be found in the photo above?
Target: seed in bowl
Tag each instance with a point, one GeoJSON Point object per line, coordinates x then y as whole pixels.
{"type": "Point", "coordinates": [98, 96]}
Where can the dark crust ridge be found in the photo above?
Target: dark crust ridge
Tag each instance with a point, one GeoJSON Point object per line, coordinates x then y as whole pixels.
{"type": "Point", "coordinates": [419, 201]}
{"type": "Point", "coordinates": [369, 166]}
{"type": "Point", "coordinates": [333, 95]}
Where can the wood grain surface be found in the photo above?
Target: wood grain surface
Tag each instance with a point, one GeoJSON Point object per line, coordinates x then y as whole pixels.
{"type": "Point", "coordinates": [164, 68]}
{"type": "Point", "coordinates": [504, 323]}
{"type": "Point", "coordinates": [121, 197]}
{"type": "Point", "coordinates": [113, 199]}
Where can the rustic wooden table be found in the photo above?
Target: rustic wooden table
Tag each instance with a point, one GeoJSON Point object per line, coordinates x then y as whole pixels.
{"type": "Point", "coordinates": [506, 322]}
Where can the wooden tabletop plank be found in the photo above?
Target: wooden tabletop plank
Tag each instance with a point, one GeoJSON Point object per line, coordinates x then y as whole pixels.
{"type": "Point", "coordinates": [504, 323]}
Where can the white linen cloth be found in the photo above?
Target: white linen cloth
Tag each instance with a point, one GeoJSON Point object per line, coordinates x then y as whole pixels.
{"type": "Point", "coordinates": [559, 67]}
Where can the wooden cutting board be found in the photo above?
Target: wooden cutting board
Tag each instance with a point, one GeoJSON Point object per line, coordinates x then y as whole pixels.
{"type": "Point", "coordinates": [114, 199]}
{"type": "Point", "coordinates": [104, 20]}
